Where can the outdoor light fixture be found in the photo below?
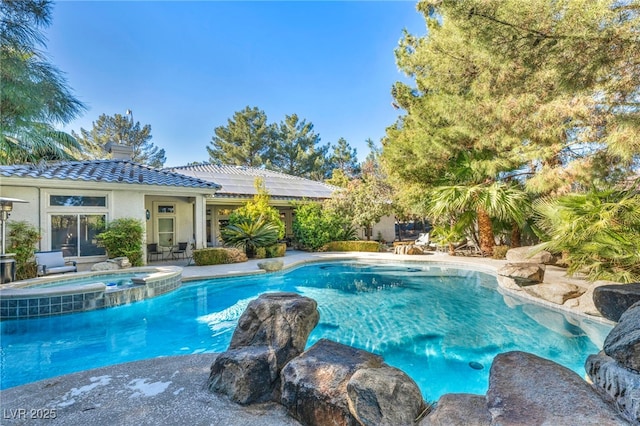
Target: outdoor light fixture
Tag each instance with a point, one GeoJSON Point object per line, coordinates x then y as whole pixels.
{"type": "Point", "coordinates": [7, 262]}
{"type": "Point", "coordinates": [6, 206]}
{"type": "Point", "coordinates": [148, 214]}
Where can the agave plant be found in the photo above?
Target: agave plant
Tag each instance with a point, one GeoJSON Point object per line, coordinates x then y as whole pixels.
{"type": "Point", "coordinates": [250, 234]}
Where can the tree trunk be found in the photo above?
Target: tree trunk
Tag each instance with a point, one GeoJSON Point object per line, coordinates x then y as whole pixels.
{"type": "Point", "coordinates": [485, 231]}
{"type": "Point", "coordinates": [515, 236]}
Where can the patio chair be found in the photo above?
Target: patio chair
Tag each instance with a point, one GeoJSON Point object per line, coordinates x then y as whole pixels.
{"type": "Point", "coordinates": [52, 262]}
{"type": "Point", "coordinates": [180, 249]}
{"type": "Point", "coordinates": [424, 241]}
{"type": "Point", "coordinates": [152, 250]}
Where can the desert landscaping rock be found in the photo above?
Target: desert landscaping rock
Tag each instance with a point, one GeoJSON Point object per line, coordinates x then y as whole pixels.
{"type": "Point", "coordinates": [525, 389]}
{"type": "Point", "coordinates": [271, 265]}
{"type": "Point", "coordinates": [314, 385]}
{"type": "Point", "coordinates": [281, 321]}
{"type": "Point", "coordinates": [621, 384]}
{"type": "Point", "coordinates": [245, 375]}
{"type": "Point", "coordinates": [271, 331]}
{"type": "Point", "coordinates": [614, 299]}
{"type": "Point", "coordinates": [459, 409]}
{"type": "Point", "coordinates": [523, 273]}
{"type": "Point", "coordinates": [623, 342]}
{"type": "Point", "coordinates": [528, 255]}
{"type": "Point", "coordinates": [384, 396]}
{"type": "Point", "coordinates": [557, 293]}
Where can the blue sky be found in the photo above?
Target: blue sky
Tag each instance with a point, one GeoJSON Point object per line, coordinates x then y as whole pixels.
{"type": "Point", "coordinates": [185, 67]}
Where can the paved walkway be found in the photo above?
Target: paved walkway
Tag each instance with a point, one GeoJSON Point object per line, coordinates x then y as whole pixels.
{"type": "Point", "coordinates": [171, 390]}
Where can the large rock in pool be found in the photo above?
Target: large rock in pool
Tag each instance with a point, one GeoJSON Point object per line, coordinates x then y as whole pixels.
{"type": "Point", "coordinates": [528, 390]}
{"type": "Point", "coordinates": [459, 409]}
{"type": "Point", "coordinates": [280, 321]}
{"type": "Point", "coordinates": [271, 331]}
{"type": "Point", "coordinates": [384, 396]}
{"type": "Point", "coordinates": [623, 342]}
{"type": "Point", "coordinates": [314, 385]}
{"type": "Point", "coordinates": [613, 299]}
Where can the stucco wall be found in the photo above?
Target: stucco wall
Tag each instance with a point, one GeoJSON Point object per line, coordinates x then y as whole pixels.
{"type": "Point", "coordinates": [23, 211]}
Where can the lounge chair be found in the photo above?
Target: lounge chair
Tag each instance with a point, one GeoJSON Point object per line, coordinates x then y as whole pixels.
{"type": "Point", "coordinates": [52, 262]}
{"type": "Point", "coordinates": [424, 241]}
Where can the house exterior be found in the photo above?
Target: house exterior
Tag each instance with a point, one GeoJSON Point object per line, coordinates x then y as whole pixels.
{"type": "Point", "coordinates": [69, 202]}
{"type": "Point", "coordinates": [238, 185]}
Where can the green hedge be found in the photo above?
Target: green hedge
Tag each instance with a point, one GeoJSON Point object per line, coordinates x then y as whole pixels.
{"type": "Point", "coordinates": [218, 256]}
{"type": "Point", "coordinates": [368, 246]}
{"type": "Point", "coordinates": [276, 250]}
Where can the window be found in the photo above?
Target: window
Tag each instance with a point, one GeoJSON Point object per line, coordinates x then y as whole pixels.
{"type": "Point", "coordinates": [75, 234]}
{"type": "Point", "coordinates": [165, 231]}
{"type": "Point", "coordinates": [77, 201]}
{"type": "Point", "coordinates": [166, 209]}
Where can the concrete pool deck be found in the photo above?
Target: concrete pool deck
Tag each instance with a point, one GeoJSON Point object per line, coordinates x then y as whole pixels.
{"type": "Point", "coordinates": [171, 390]}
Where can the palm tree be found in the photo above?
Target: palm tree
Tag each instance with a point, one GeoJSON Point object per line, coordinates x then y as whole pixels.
{"type": "Point", "coordinates": [599, 232]}
{"type": "Point", "coordinates": [34, 96]}
{"type": "Point", "coordinates": [488, 200]}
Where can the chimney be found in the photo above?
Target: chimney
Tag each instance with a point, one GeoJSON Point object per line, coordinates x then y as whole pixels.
{"type": "Point", "coordinates": [119, 151]}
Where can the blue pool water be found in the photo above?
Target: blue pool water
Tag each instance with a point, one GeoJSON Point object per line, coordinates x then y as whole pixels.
{"type": "Point", "coordinates": [442, 326]}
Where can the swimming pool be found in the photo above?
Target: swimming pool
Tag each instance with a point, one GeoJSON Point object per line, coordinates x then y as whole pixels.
{"type": "Point", "coordinates": [441, 325]}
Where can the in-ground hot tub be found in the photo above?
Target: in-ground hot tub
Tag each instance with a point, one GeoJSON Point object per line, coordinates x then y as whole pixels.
{"type": "Point", "coordinates": [85, 291]}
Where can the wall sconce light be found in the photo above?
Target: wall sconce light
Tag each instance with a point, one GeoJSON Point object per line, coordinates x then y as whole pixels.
{"type": "Point", "coordinates": [148, 214]}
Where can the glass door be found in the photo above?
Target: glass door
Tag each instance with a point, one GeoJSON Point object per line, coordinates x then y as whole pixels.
{"type": "Point", "coordinates": [166, 231]}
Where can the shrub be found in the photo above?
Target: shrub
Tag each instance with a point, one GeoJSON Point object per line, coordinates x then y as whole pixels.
{"type": "Point", "coordinates": [314, 226]}
{"type": "Point", "coordinates": [258, 208]}
{"type": "Point", "coordinates": [250, 235]}
{"type": "Point", "coordinates": [276, 250]}
{"type": "Point", "coordinates": [367, 246]}
{"type": "Point", "coordinates": [598, 232]}
{"type": "Point", "coordinates": [500, 252]}
{"type": "Point", "coordinates": [123, 238]}
{"type": "Point", "coordinates": [218, 256]}
{"type": "Point", "coordinates": [22, 241]}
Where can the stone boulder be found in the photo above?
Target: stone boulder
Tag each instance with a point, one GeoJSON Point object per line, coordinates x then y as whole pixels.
{"type": "Point", "coordinates": [530, 254]}
{"type": "Point", "coordinates": [619, 383]}
{"type": "Point", "coordinates": [459, 409]}
{"type": "Point", "coordinates": [523, 273]}
{"type": "Point", "coordinates": [272, 330]}
{"type": "Point", "coordinates": [271, 265]}
{"type": "Point", "coordinates": [384, 396]}
{"type": "Point", "coordinates": [613, 299]}
{"type": "Point", "coordinates": [528, 390]}
{"type": "Point", "coordinates": [281, 321]}
{"type": "Point", "coordinates": [245, 375]}
{"type": "Point", "coordinates": [114, 264]}
{"type": "Point", "coordinates": [314, 385]}
{"type": "Point", "coordinates": [623, 342]}
{"type": "Point", "coordinates": [557, 292]}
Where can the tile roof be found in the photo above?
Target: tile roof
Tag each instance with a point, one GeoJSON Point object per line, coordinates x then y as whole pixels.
{"type": "Point", "coordinates": [238, 181]}
{"type": "Point", "coordinates": [110, 171]}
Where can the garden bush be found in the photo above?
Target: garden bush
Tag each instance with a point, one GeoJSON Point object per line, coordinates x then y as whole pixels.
{"type": "Point", "coordinates": [367, 246]}
{"type": "Point", "coordinates": [314, 226]}
{"type": "Point", "coordinates": [276, 250]}
{"type": "Point", "coordinates": [218, 256]}
{"type": "Point", "coordinates": [597, 232]}
{"type": "Point", "coordinates": [123, 238]}
{"type": "Point", "coordinates": [23, 238]}
{"type": "Point", "coordinates": [500, 252]}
